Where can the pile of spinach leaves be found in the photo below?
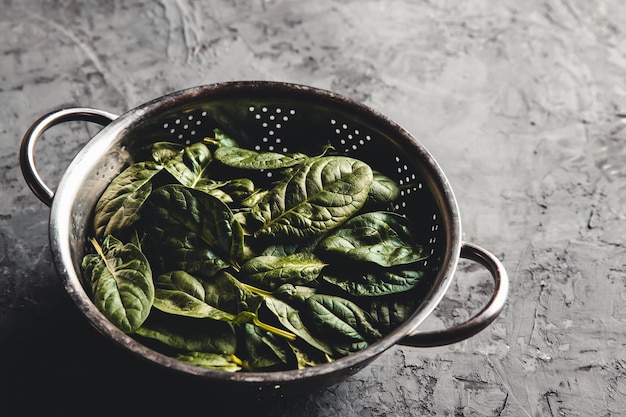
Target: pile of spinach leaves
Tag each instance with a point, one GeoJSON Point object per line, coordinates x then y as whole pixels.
{"type": "Point", "coordinates": [235, 259]}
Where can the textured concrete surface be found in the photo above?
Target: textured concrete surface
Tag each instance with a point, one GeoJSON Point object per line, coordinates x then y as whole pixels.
{"type": "Point", "coordinates": [522, 103]}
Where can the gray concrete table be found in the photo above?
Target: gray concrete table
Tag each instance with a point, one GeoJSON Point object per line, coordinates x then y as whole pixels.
{"type": "Point", "coordinates": [523, 104]}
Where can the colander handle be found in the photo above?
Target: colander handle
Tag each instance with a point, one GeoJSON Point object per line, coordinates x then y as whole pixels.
{"type": "Point", "coordinates": [481, 320]}
{"type": "Point", "coordinates": [37, 129]}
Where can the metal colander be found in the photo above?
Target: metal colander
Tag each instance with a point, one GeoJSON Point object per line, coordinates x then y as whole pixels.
{"type": "Point", "coordinates": [275, 117]}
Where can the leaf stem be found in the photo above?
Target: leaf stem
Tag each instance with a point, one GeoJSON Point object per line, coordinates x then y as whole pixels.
{"type": "Point", "coordinates": [279, 332]}
{"type": "Point", "coordinates": [100, 252]}
{"type": "Point", "coordinates": [256, 290]}
{"type": "Point", "coordinates": [236, 360]}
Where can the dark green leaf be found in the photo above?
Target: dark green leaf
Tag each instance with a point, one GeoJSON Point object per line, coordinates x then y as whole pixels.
{"type": "Point", "coordinates": [189, 166]}
{"type": "Point", "coordinates": [172, 247]}
{"type": "Point", "coordinates": [321, 194]}
{"type": "Point", "coordinates": [220, 139]}
{"type": "Point", "coordinates": [164, 151]}
{"type": "Point", "coordinates": [290, 318]}
{"type": "Point", "coordinates": [253, 198]}
{"type": "Point", "coordinates": [374, 280]}
{"type": "Point", "coordinates": [389, 312]}
{"type": "Point", "coordinates": [119, 205]}
{"type": "Point", "coordinates": [308, 357]}
{"type": "Point", "coordinates": [228, 294]}
{"type": "Point", "coordinates": [294, 294]}
{"type": "Point", "coordinates": [383, 191]}
{"type": "Point", "coordinates": [210, 361]}
{"type": "Point", "coordinates": [199, 214]}
{"type": "Point", "coordinates": [270, 272]}
{"type": "Point", "coordinates": [238, 189]}
{"type": "Point", "coordinates": [121, 283]}
{"type": "Point", "coordinates": [341, 321]}
{"type": "Point", "coordinates": [182, 294]}
{"type": "Point", "coordinates": [264, 350]}
{"type": "Point", "coordinates": [190, 334]}
{"type": "Point", "coordinates": [384, 238]}
{"type": "Point", "coordinates": [291, 248]}
{"type": "Point", "coordinates": [247, 159]}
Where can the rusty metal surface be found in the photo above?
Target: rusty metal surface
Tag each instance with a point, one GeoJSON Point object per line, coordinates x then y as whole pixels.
{"type": "Point", "coordinates": [521, 103]}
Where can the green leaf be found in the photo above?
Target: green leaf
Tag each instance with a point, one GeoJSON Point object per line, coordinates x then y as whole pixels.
{"type": "Point", "coordinates": [182, 294]}
{"type": "Point", "coordinates": [290, 318]}
{"type": "Point", "coordinates": [264, 350]}
{"type": "Point", "coordinates": [294, 294]}
{"type": "Point", "coordinates": [200, 214]}
{"type": "Point", "coordinates": [383, 191]}
{"type": "Point", "coordinates": [320, 195]}
{"type": "Point", "coordinates": [341, 321]}
{"type": "Point", "coordinates": [270, 272]}
{"type": "Point", "coordinates": [210, 361]}
{"type": "Point", "coordinates": [291, 248]}
{"type": "Point", "coordinates": [220, 139]}
{"type": "Point", "coordinates": [164, 151]}
{"type": "Point", "coordinates": [189, 166]}
{"type": "Point", "coordinates": [118, 207]}
{"type": "Point", "coordinates": [227, 293]}
{"type": "Point", "coordinates": [235, 190]}
{"type": "Point", "coordinates": [190, 334]}
{"type": "Point", "coordinates": [248, 159]}
{"type": "Point", "coordinates": [307, 358]}
{"type": "Point", "coordinates": [238, 189]}
{"type": "Point", "coordinates": [172, 247]}
{"type": "Point", "coordinates": [373, 281]}
{"type": "Point", "coordinates": [389, 312]}
{"type": "Point", "coordinates": [380, 237]}
{"type": "Point", "coordinates": [121, 283]}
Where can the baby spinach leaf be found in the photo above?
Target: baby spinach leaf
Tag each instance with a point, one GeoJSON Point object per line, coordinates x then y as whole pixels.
{"type": "Point", "coordinates": [200, 214]}
{"type": "Point", "coordinates": [189, 166]}
{"type": "Point", "coordinates": [307, 358]}
{"type": "Point", "coordinates": [389, 312]}
{"type": "Point", "coordinates": [291, 248]}
{"type": "Point", "coordinates": [289, 317]}
{"type": "Point", "coordinates": [235, 190]}
{"type": "Point", "coordinates": [227, 293]}
{"type": "Point", "coordinates": [249, 317]}
{"type": "Point", "coordinates": [238, 189]}
{"type": "Point", "coordinates": [294, 294]}
{"type": "Point", "coordinates": [253, 198]}
{"type": "Point", "coordinates": [164, 151]}
{"type": "Point", "coordinates": [119, 206]}
{"type": "Point", "coordinates": [341, 321]}
{"type": "Point", "coordinates": [380, 237]}
{"type": "Point", "coordinates": [372, 280]}
{"type": "Point", "coordinates": [181, 280]}
{"type": "Point", "coordinates": [264, 350]}
{"type": "Point", "coordinates": [383, 191]}
{"type": "Point", "coordinates": [248, 159]}
{"type": "Point", "coordinates": [187, 334]}
{"type": "Point", "coordinates": [220, 138]}
{"type": "Point", "coordinates": [121, 282]}
{"type": "Point", "coordinates": [210, 361]}
{"type": "Point", "coordinates": [320, 195]}
{"type": "Point", "coordinates": [170, 247]}
{"type": "Point", "coordinates": [270, 272]}
{"type": "Point", "coordinates": [182, 294]}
